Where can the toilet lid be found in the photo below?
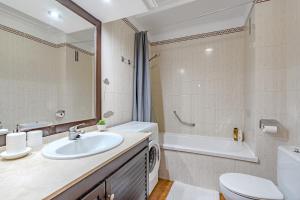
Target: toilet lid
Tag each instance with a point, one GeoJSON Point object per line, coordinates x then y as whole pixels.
{"type": "Point", "coordinates": [250, 186]}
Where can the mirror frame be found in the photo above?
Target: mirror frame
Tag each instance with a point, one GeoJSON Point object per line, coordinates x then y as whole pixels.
{"type": "Point", "coordinates": [59, 128]}
{"type": "Point", "coordinates": [97, 23]}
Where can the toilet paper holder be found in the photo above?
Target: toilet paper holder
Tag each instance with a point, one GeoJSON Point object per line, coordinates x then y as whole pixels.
{"type": "Point", "coordinates": [268, 122]}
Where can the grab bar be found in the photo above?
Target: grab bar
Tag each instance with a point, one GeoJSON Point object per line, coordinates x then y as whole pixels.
{"type": "Point", "coordinates": [183, 122]}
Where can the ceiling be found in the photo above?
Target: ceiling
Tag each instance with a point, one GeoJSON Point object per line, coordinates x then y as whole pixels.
{"type": "Point", "coordinates": [110, 10]}
{"type": "Point", "coordinates": [178, 18]}
{"type": "Point", "coordinates": [38, 9]}
{"type": "Point", "coordinates": [163, 19]}
{"type": "Point", "coordinates": [166, 19]}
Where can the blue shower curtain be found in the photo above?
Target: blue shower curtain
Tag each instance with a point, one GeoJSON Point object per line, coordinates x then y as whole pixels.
{"type": "Point", "coordinates": [141, 85]}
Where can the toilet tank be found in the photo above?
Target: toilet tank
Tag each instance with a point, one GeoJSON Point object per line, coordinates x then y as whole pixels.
{"type": "Point", "coordinates": [288, 172]}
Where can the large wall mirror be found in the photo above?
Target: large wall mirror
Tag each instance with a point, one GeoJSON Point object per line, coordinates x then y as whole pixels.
{"type": "Point", "coordinates": [50, 65]}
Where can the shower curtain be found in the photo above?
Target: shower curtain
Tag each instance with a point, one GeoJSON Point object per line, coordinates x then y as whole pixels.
{"type": "Point", "coordinates": [141, 85]}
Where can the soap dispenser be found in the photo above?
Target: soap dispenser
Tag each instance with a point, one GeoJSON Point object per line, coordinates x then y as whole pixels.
{"type": "Point", "coordinates": [236, 134]}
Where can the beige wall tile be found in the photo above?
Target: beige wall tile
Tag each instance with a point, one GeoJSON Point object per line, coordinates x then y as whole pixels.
{"type": "Point", "coordinates": [37, 80]}
{"type": "Point", "coordinates": [117, 41]}
{"type": "Point", "coordinates": [205, 84]}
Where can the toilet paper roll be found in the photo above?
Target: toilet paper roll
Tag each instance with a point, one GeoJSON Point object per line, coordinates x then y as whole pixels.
{"type": "Point", "coordinates": [15, 142]}
{"type": "Point", "coordinates": [270, 129]}
{"type": "Point", "coordinates": [35, 138]}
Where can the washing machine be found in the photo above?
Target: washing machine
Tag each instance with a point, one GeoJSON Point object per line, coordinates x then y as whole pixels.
{"type": "Point", "coordinates": [154, 150]}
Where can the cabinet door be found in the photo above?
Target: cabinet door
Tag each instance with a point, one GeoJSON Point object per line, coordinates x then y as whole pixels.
{"type": "Point", "coordinates": [96, 194]}
{"type": "Point", "coordinates": [130, 182]}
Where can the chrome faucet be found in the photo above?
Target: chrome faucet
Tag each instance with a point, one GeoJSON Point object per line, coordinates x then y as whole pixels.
{"type": "Point", "coordinates": [74, 133]}
{"type": "Point", "coordinates": [18, 129]}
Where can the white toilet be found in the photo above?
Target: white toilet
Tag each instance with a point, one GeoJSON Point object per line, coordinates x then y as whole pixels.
{"type": "Point", "coordinates": [235, 186]}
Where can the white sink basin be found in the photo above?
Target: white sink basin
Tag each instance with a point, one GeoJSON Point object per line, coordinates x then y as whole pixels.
{"type": "Point", "coordinates": [88, 144]}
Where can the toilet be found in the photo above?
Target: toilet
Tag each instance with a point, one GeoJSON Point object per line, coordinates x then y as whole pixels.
{"type": "Point", "coordinates": [236, 186]}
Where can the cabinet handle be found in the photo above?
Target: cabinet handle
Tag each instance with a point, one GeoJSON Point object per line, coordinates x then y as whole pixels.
{"type": "Point", "coordinates": [111, 197]}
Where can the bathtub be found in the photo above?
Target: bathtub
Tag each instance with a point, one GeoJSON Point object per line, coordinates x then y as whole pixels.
{"type": "Point", "coordinates": [206, 145]}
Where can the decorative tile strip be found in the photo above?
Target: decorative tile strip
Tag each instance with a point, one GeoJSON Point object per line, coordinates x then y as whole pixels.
{"type": "Point", "coordinates": [41, 41]}
{"type": "Point", "coordinates": [198, 36]}
{"type": "Point", "coordinates": [260, 1]}
{"type": "Point", "coordinates": [78, 49]}
{"type": "Point", "coordinates": [126, 21]}
{"type": "Point", "coordinates": [26, 35]}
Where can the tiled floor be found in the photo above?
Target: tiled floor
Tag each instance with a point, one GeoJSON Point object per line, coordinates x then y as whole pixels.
{"type": "Point", "coordinates": [168, 190]}
{"type": "Point", "coordinates": [182, 191]}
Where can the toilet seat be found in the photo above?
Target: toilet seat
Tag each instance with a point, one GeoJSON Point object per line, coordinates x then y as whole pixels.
{"type": "Point", "coordinates": [249, 187]}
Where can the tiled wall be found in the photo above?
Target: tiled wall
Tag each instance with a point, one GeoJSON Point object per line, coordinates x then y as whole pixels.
{"type": "Point", "coordinates": [200, 170]}
{"type": "Point", "coordinates": [33, 81]}
{"type": "Point", "coordinates": [50, 83]}
{"type": "Point", "coordinates": [249, 92]}
{"type": "Point", "coordinates": [277, 72]}
{"type": "Point", "coordinates": [272, 90]}
{"type": "Point", "coordinates": [77, 86]}
{"type": "Point", "coordinates": [117, 41]}
{"type": "Point", "coordinates": [273, 67]}
{"type": "Point", "coordinates": [292, 61]}
{"type": "Point", "coordinates": [206, 88]}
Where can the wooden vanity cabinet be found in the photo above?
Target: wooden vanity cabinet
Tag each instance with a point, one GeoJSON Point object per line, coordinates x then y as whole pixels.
{"type": "Point", "coordinates": [130, 181]}
{"type": "Point", "coordinates": [124, 178]}
{"type": "Point", "coordinates": [96, 194]}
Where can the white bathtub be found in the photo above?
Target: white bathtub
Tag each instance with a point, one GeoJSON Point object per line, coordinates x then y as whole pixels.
{"type": "Point", "coordinates": [205, 145]}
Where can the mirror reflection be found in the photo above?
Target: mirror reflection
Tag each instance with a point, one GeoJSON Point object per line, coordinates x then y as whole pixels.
{"type": "Point", "coordinates": [47, 65]}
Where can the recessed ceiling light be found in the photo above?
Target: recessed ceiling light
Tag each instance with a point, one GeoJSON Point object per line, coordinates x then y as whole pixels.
{"type": "Point", "coordinates": [54, 15]}
{"type": "Point", "coordinates": [208, 50]}
{"type": "Point", "coordinates": [106, 1]}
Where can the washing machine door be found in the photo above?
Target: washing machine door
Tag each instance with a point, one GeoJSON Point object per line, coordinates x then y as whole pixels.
{"type": "Point", "coordinates": [154, 157]}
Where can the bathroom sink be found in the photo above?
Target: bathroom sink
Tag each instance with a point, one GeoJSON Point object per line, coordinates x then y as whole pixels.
{"type": "Point", "coordinates": [88, 144]}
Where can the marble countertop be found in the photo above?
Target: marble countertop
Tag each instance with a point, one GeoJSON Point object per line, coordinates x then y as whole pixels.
{"type": "Point", "coordinates": [35, 177]}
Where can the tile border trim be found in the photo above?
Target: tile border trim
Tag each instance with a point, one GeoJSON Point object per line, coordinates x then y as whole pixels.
{"type": "Point", "coordinates": [199, 36]}
{"type": "Point", "coordinates": [260, 1]}
{"type": "Point", "coordinates": [41, 41]}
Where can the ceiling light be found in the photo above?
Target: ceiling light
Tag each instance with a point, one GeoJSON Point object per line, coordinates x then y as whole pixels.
{"type": "Point", "coordinates": [106, 1]}
{"type": "Point", "coordinates": [54, 14]}
{"type": "Point", "coordinates": [181, 71]}
{"type": "Point", "coordinates": [208, 50]}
